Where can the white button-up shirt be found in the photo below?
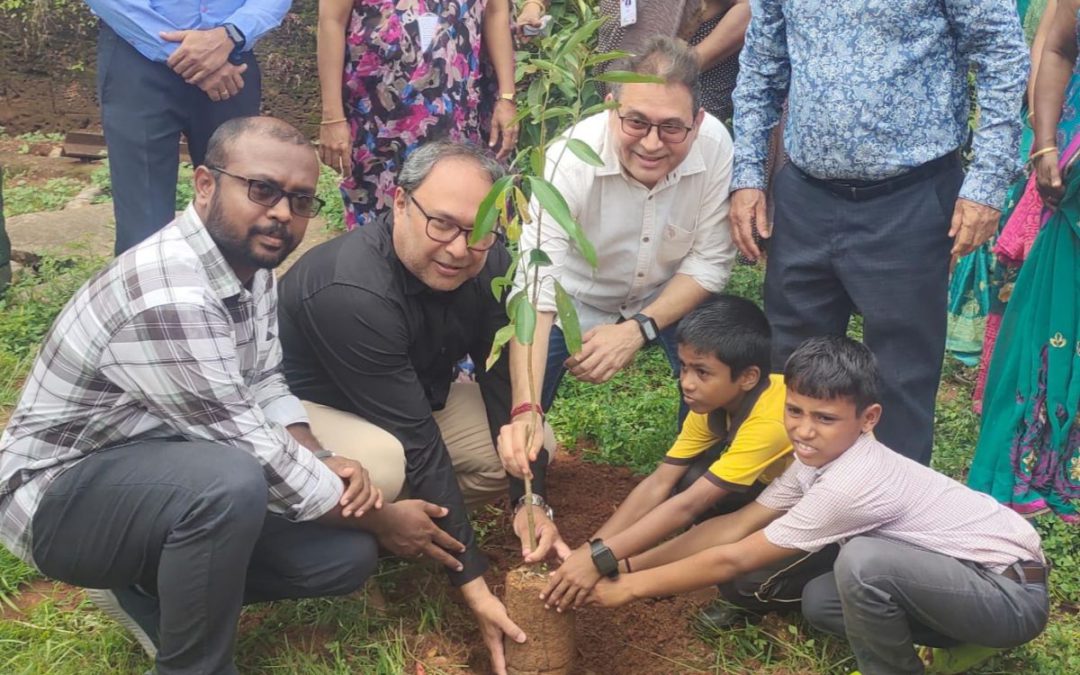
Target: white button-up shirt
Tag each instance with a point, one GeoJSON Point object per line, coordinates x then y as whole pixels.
{"type": "Point", "coordinates": [643, 237]}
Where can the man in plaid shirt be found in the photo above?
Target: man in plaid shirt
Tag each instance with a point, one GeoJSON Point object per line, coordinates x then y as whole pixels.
{"type": "Point", "coordinates": [156, 429]}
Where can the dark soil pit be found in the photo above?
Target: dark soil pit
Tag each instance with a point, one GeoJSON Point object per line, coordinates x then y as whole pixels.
{"type": "Point", "coordinates": [652, 637]}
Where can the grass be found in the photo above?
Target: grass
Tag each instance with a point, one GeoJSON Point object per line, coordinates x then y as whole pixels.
{"type": "Point", "coordinates": [629, 421]}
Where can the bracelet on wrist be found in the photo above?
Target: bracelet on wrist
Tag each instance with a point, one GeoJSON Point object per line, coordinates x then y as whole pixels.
{"type": "Point", "coordinates": [340, 119]}
{"type": "Point", "coordinates": [525, 407]}
{"type": "Point", "coordinates": [1044, 151]}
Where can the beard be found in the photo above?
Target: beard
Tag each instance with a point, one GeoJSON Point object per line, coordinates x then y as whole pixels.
{"type": "Point", "coordinates": [240, 247]}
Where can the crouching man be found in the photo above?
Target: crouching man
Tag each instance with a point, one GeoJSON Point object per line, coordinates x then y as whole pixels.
{"type": "Point", "coordinates": [923, 559]}
{"type": "Point", "coordinates": [156, 453]}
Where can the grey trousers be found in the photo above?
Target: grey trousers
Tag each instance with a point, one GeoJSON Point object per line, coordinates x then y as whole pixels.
{"type": "Point", "coordinates": [885, 596]}
{"type": "Point", "coordinates": [145, 107]}
{"type": "Point", "coordinates": [887, 258]}
{"type": "Point", "coordinates": [188, 522]}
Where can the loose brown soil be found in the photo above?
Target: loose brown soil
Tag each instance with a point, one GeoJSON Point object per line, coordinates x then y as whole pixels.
{"type": "Point", "coordinates": [550, 647]}
{"type": "Point", "coordinates": [652, 637]}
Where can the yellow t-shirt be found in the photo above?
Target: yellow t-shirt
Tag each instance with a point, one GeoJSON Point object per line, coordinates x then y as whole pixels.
{"type": "Point", "coordinates": [760, 451]}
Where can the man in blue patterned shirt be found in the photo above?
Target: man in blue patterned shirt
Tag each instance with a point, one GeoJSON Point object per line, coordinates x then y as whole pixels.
{"type": "Point", "coordinates": [866, 214]}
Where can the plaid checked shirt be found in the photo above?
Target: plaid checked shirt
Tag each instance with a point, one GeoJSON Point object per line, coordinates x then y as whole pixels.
{"type": "Point", "coordinates": [164, 342]}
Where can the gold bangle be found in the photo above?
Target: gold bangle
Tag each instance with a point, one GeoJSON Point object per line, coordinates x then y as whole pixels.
{"type": "Point", "coordinates": [538, 3]}
{"type": "Point", "coordinates": [342, 119]}
{"type": "Point", "coordinates": [506, 97]}
{"type": "Point", "coordinates": [1044, 151]}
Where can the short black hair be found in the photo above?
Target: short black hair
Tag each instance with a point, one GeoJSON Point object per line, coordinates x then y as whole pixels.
{"type": "Point", "coordinates": [833, 367]}
{"type": "Point", "coordinates": [217, 148]}
{"type": "Point", "coordinates": [732, 329]}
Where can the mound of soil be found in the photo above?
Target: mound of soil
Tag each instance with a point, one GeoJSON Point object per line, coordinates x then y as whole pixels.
{"type": "Point", "coordinates": [643, 638]}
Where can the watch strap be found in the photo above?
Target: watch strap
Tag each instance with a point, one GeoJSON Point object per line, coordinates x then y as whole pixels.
{"type": "Point", "coordinates": [645, 323]}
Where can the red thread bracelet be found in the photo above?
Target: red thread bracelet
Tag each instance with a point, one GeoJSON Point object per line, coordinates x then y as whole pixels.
{"type": "Point", "coordinates": [527, 406]}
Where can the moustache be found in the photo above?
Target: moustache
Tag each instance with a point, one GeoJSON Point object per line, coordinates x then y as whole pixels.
{"type": "Point", "coordinates": [276, 229]}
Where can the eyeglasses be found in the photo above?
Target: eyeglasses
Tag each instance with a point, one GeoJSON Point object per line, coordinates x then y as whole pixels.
{"type": "Point", "coordinates": [669, 132]}
{"type": "Point", "coordinates": [264, 193]}
{"type": "Point", "coordinates": [445, 232]}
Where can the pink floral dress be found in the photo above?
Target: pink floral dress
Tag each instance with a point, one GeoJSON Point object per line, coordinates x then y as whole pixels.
{"type": "Point", "coordinates": [398, 94]}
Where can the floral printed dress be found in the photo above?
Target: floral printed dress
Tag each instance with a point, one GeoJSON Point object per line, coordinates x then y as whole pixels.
{"type": "Point", "coordinates": [399, 94]}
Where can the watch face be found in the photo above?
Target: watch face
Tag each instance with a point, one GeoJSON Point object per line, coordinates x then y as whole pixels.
{"type": "Point", "coordinates": [650, 330]}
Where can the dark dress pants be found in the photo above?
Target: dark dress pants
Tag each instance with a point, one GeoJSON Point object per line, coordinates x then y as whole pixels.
{"type": "Point", "coordinates": [886, 258]}
{"type": "Point", "coordinates": [188, 522]}
{"type": "Point", "coordinates": [145, 107]}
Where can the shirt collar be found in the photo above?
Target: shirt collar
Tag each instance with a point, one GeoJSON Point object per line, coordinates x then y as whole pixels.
{"type": "Point", "coordinates": [223, 280]}
{"type": "Point", "coordinates": [693, 163]}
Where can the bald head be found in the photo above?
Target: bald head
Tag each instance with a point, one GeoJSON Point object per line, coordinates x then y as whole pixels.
{"type": "Point", "coordinates": [228, 134]}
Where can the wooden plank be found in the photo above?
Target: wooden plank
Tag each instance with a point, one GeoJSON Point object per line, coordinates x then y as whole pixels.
{"type": "Point", "coordinates": [91, 145]}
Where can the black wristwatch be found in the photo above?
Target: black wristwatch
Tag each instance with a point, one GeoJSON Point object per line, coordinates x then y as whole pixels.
{"type": "Point", "coordinates": [604, 559]}
{"type": "Point", "coordinates": [236, 57]}
{"type": "Point", "coordinates": [649, 330]}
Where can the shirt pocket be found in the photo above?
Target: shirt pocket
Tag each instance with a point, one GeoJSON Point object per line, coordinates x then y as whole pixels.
{"type": "Point", "coordinates": [675, 243]}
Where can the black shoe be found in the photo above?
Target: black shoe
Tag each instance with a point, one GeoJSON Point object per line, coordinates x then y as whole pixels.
{"type": "Point", "coordinates": [720, 616]}
{"type": "Point", "coordinates": [134, 610]}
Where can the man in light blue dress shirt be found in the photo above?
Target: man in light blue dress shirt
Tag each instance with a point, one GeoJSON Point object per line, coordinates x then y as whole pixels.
{"type": "Point", "coordinates": [875, 202]}
{"type": "Point", "coordinates": [166, 68]}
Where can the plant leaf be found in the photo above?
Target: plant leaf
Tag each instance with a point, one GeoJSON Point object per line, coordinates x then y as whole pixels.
{"type": "Point", "coordinates": [551, 200]}
{"type": "Point", "coordinates": [628, 77]}
{"type": "Point", "coordinates": [488, 213]}
{"type": "Point", "coordinates": [502, 336]}
{"type": "Point", "coordinates": [568, 317]}
{"type": "Point", "coordinates": [524, 321]}
{"type": "Point", "coordinates": [539, 258]}
{"type": "Point", "coordinates": [584, 152]}
{"type": "Point", "coordinates": [599, 107]}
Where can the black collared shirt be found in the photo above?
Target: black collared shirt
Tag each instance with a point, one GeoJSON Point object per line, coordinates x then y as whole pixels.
{"type": "Point", "coordinates": [361, 334]}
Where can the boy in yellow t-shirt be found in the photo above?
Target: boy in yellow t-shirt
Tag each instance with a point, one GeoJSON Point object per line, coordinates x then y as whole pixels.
{"type": "Point", "coordinates": [731, 445]}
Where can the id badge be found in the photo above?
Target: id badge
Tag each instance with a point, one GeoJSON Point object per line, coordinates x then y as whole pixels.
{"type": "Point", "coordinates": [627, 12]}
{"type": "Point", "coordinates": [428, 24]}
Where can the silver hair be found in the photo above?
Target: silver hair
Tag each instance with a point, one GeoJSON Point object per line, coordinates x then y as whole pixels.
{"type": "Point", "coordinates": [670, 59]}
{"type": "Point", "coordinates": [419, 164]}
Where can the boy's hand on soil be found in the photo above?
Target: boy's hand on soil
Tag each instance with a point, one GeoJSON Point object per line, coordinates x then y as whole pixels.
{"type": "Point", "coordinates": [569, 585]}
{"type": "Point", "coordinates": [548, 540]}
{"type": "Point", "coordinates": [494, 622]}
{"type": "Point", "coordinates": [519, 443]}
{"type": "Point", "coordinates": [411, 532]}
{"type": "Point", "coordinates": [610, 593]}
{"type": "Point", "coordinates": [360, 495]}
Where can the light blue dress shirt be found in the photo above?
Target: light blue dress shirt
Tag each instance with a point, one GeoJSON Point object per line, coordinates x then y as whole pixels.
{"type": "Point", "coordinates": [878, 87]}
{"type": "Point", "coordinates": [139, 22]}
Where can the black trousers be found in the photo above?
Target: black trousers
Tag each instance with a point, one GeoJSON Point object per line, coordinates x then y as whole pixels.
{"type": "Point", "coordinates": [145, 107]}
{"type": "Point", "coordinates": [886, 258]}
{"type": "Point", "coordinates": [188, 522]}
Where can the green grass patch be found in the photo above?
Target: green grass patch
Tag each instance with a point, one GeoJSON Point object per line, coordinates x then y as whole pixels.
{"type": "Point", "coordinates": [20, 198]}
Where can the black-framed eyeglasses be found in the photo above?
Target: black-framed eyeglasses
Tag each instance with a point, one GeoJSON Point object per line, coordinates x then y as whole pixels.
{"type": "Point", "coordinates": [265, 193]}
{"type": "Point", "coordinates": [669, 132]}
{"type": "Point", "coordinates": [445, 232]}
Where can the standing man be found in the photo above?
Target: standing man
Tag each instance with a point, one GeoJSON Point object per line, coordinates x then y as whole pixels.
{"type": "Point", "coordinates": [372, 323]}
{"type": "Point", "coordinates": [156, 455]}
{"type": "Point", "coordinates": [656, 212]}
{"type": "Point", "coordinates": [165, 69]}
{"type": "Point", "coordinates": [866, 213]}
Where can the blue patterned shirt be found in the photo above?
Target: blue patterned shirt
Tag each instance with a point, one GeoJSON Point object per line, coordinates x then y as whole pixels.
{"type": "Point", "coordinates": [878, 87]}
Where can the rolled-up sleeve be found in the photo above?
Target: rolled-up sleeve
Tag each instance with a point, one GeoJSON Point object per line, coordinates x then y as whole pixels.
{"type": "Point", "coordinates": [194, 385]}
{"type": "Point", "coordinates": [764, 73]}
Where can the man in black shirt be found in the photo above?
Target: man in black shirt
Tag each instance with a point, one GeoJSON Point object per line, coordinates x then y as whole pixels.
{"type": "Point", "coordinates": [371, 325]}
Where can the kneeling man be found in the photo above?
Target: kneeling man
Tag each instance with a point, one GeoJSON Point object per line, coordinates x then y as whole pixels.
{"type": "Point", "coordinates": [155, 431]}
{"type": "Point", "coordinates": [923, 559]}
{"type": "Point", "coordinates": [372, 323]}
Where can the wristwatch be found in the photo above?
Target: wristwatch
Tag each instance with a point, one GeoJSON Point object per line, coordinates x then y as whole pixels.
{"type": "Point", "coordinates": [649, 330]}
{"type": "Point", "coordinates": [235, 57]}
{"type": "Point", "coordinates": [604, 559]}
{"type": "Point", "coordinates": [537, 500]}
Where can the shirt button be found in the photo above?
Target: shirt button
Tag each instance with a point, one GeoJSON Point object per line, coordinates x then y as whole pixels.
{"type": "Point", "coordinates": [622, 307]}
{"type": "Point", "coordinates": [650, 198]}
{"type": "Point", "coordinates": [640, 274]}
{"type": "Point", "coordinates": [645, 239]}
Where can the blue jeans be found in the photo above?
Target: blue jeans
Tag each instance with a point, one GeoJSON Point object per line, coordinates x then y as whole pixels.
{"type": "Point", "coordinates": [558, 353]}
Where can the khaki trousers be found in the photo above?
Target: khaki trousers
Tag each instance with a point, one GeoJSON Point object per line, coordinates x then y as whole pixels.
{"type": "Point", "coordinates": [464, 426]}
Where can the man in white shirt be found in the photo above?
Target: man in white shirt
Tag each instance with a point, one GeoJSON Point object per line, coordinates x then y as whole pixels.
{"type": "Point", "coordinates": [656, 212]}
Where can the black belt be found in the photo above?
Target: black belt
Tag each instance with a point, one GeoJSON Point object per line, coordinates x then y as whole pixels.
{"type": "Point", "coordinates": [1034, 573]}
{"type": "Point", "coordinates": [862, 190]}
